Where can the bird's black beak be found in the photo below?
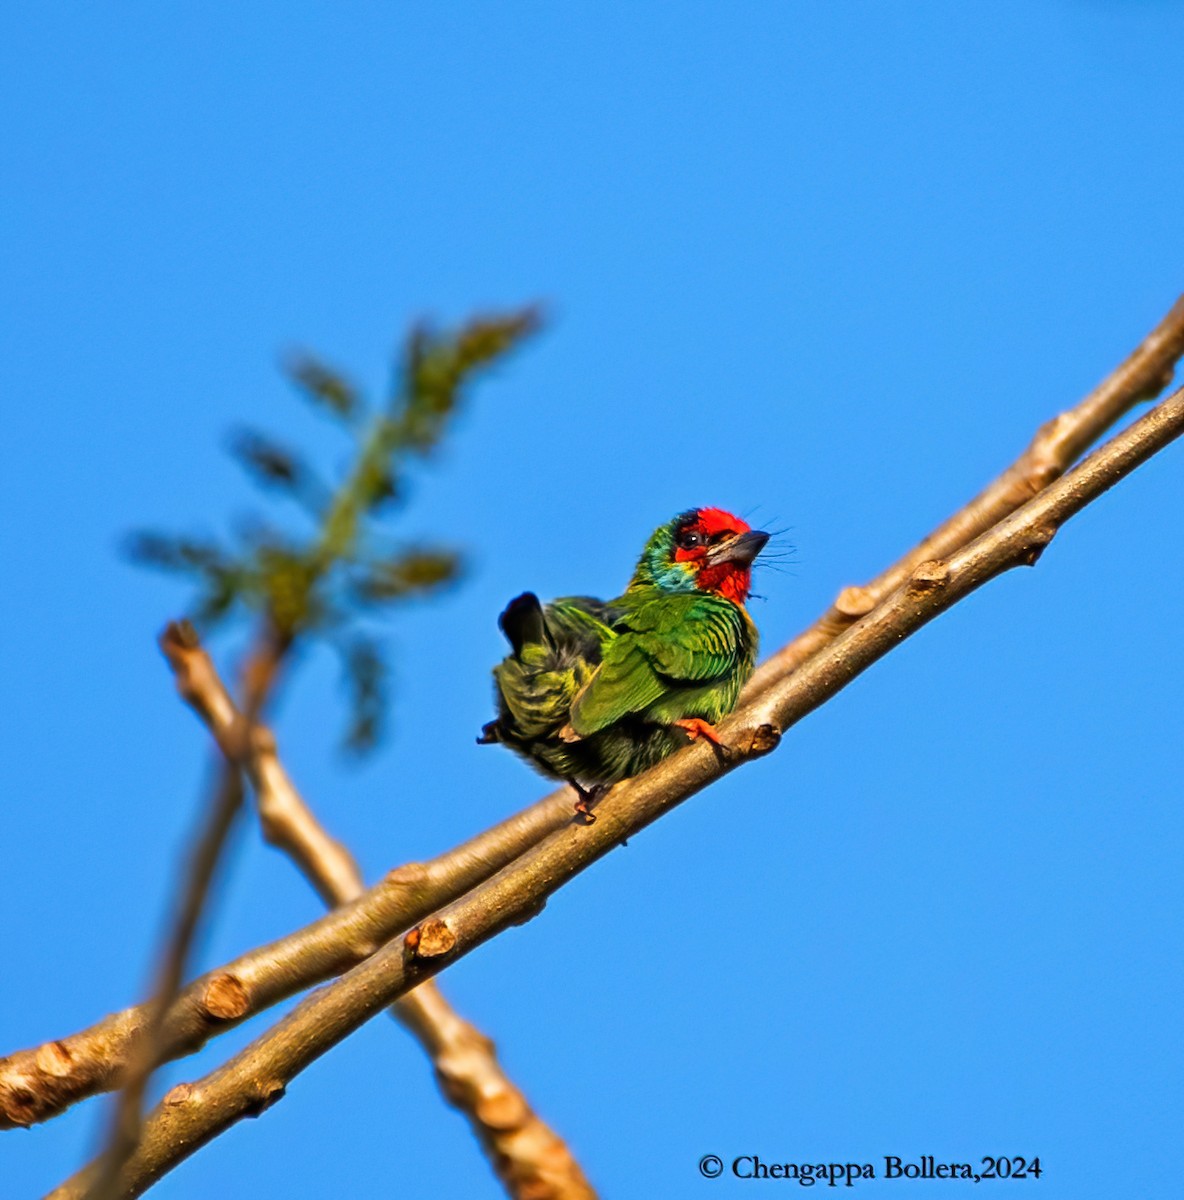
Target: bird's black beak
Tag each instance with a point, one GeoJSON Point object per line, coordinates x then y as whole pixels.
{"type": "Point", "coordinates": [741, 549]}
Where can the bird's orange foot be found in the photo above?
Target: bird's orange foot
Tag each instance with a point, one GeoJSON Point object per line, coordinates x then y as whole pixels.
{"type": "Point", "coordinates": [584, 812]}
{"type": "Point", "coordinates": [587, 798]}
{"type": "Point", "coordinates": [696, 728]}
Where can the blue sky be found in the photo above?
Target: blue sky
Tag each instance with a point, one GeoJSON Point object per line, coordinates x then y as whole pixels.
{"type": "Point", "coordinates": [833, 263]}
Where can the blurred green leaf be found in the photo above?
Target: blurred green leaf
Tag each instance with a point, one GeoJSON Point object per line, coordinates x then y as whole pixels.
{"type": "Point", "coordinates": [273, 465]}
{"type": "Point", "coordinates": [169, 552]}
{"type": "Point", "coordinates": [438, 366]}
{"type": "Point", "coordinates": [266, 460]}
{"type": "Point", "coordinates": [215, 603]}
{"type": "Point", "coordinates": [323, 386]}
{"type": "Point", "coordinates": [365, 672]}
{"type": "Point", "coordinates": [414, 573]}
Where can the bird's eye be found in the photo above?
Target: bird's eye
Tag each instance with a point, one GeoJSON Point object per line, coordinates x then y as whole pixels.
{"type": "Point", "coordinates": [688, 539]}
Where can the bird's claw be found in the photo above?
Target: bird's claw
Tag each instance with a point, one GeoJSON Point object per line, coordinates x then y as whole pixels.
{"type": "Point", "coordinates": [587, 798]}
{"type": "Point", "coordinates": [696, 728]}
{"type": "Point", "coordinates": [584, 812]}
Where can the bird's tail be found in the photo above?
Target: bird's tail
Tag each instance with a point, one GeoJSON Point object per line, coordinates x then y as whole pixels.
{"type": "Point", "coordinates": [523, 623]}
{"type": "Point", "coordinates": [554, 649]}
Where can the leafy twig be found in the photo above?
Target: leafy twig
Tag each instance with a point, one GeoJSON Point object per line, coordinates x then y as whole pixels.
{"type": "Point", "coordinates": [322, 582]}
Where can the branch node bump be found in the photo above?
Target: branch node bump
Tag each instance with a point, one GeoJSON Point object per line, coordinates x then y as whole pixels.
{"type": "Point", "coordinates": [181, 1094]}
{"type": "Point", "coordinates": [1159, 383]}
{"type": "Point", "coordinates": [504, 1111]}
{"type": "Point", "coordinates": [530, 913]}
{"type": "Point", "coordinates": [1041, 475]}
{"type": "Point", "coordinates": [225, 998]}
{"type": "Point", "coordinates": [929, 577]}
{"type": "Point", "coordinates": [264, 1098]}
{"type": "Point", "coordinates": [855, 602]}
{"type": "Point", "coordinates": [1037, 543]}
{"type": "Point", "coordinates": [431, 939]}
{"type": "Point", "coordinates": [1045, 459]}
{"type": "Point", "coordinates": [54, 1059]}
{"type": "Point", "coordinates": [19, 1105]}
{"type": "Point", "coordinates": [409, 875]}
{"type": "Point", "coordinates": [765, 739]}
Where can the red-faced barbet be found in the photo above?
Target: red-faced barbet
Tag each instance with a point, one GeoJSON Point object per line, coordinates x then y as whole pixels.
{"type": "Point", "coordinates": [596, 691]}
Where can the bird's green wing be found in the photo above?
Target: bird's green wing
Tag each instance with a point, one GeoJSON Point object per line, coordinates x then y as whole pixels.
{"type": "Point", "coordinates": [691, 639]}
{"type": "Point", "coordinates": [624, 683]}
{"type": "Point", "coordinates": [665, 644]}
{"type": "Point", "coordinates": [580, 622]}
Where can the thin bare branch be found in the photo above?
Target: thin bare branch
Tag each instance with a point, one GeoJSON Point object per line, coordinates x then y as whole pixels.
{"type": "Point", "coordinates": [1057, 445]}
{"type": "Point", "coordinates": [192, 1114]}
{"type": "Point", "coordinates": [259, 676]}
{"type": "Point", "coordinates": [286, 820]}
{"type": "Point", "coordinates": [222, 809]}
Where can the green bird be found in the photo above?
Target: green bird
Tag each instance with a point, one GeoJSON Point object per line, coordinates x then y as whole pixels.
{"type": "Point", "coordinates": [593, 692]}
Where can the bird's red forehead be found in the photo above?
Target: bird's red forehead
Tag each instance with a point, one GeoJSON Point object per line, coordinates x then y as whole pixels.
{"type": "Point", "coordinates": [716, 520]}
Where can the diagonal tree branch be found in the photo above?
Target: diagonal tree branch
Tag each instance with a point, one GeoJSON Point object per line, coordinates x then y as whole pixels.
{"type": "Point", "coordinates": [531, 1160]}
{"type": "Point", "coordinates": [193, 1114]}
{"type": "Point", "coordinates": [1057, 445]}
{"type": "Point", "coordinates": [39, 1083]}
